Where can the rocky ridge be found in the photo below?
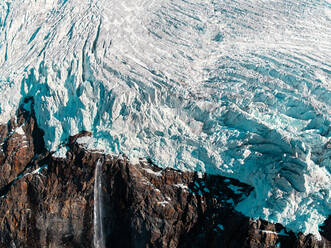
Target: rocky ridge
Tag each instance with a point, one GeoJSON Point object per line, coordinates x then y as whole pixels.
{"type": "Point", "coordinates": [48, 202]}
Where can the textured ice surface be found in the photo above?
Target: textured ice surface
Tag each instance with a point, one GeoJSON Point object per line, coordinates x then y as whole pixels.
{"type": "Point", "coordinates": [237, 88]}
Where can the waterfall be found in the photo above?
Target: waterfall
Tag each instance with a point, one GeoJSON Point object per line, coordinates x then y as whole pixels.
{"type": "Point", "coordinates": [98, 235]}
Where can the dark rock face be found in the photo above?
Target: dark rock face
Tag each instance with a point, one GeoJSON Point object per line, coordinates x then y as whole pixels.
{"type": "Point", "coordinates": [143, 205]}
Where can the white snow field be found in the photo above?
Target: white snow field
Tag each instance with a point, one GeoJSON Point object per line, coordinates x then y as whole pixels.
{"type": "Point", "coordinates": [239, 88]}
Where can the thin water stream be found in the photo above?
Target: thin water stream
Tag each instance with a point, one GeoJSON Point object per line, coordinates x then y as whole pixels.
{"type": "Point", "coordinates": [98, 234]}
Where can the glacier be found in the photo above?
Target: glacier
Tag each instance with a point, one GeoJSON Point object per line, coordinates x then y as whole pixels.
{"type": "Point", "coordinates": [236, 88]}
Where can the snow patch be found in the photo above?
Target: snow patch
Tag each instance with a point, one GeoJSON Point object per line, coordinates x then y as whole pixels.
{"type": "Point", "coordinates": [20, 131]}
{"type": "Point", "coordinates": [180, 185]}
{"type": "Point", "coordinates": [61, 152]}
{"type": "Point", "coordinates": [163, 203]}
{"type": "Point", "coordinates": [159, 173]}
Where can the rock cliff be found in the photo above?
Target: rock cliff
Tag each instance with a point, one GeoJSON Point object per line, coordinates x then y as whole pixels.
{"type": "Point", "coordinates": [48, 202]}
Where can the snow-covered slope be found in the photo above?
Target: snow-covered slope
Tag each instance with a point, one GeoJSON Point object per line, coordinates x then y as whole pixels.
{"type": "Point", "coordinates": [237, 88]}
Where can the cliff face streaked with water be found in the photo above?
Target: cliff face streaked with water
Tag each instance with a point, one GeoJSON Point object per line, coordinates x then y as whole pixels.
{"type": "Point", "coordinates": [50, 202]}
{"type": "Point", "coordinates": [234, 88]}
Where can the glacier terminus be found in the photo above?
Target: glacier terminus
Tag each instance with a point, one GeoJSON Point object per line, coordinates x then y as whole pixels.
{"type": "Point", "coordinates": [237, 88]}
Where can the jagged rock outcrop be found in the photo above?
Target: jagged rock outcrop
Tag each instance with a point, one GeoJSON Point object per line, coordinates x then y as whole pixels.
{"type": "Point", "coordinates": [48, 202]}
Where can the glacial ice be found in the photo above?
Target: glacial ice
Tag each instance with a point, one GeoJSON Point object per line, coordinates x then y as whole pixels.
{"type": "Point", "coordinates": [236, 88]}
